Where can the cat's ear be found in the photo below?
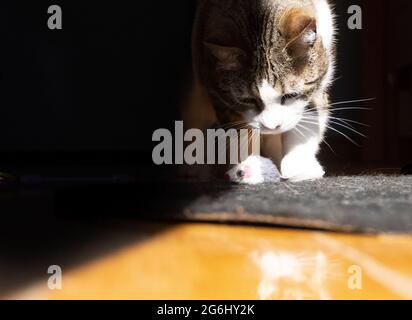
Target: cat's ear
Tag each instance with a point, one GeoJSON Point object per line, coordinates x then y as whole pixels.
{"type": "Point", "coordinates": [228, 57]}
{"type": "Point", "coordinates": [298, 27]}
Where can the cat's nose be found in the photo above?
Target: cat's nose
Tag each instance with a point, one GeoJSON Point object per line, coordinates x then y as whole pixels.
{"type": "Point", "coordinates": [273, 127]}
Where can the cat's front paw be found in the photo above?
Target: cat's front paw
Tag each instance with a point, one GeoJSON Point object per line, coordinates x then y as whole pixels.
{"type": "Point", "coordinates": [254, 170]}
{"type": "Point", "coordinates": [299, 169]}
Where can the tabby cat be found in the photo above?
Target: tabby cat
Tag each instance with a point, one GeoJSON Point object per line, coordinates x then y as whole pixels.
{"type": "Point", "coordinates": [266, 64]}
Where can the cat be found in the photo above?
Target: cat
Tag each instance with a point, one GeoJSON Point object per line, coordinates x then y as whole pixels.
{"type": "Point", "coordinates": [267, 65]}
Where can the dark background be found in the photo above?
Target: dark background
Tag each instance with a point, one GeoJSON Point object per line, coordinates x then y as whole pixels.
{"type": "Point", "coordinates": [116, 72]}
{"type": "Point", "coordinates": [90, 96]}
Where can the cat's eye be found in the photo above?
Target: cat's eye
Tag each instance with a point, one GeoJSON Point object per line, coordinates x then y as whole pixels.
{"type": "Point", "coordinates": [290, 96]}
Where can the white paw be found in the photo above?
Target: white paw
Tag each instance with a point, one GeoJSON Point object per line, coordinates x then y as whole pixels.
{"type": "Point", "coordinates": [254, 170]}
{"type": "Point", "coordinates": [299, 169]}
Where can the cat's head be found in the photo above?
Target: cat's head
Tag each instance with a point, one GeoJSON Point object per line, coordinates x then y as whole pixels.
{"type": "Point", "coordinates": [269, 64]}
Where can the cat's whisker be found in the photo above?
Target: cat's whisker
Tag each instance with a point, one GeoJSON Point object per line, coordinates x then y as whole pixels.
{"type": "Point", "coordinates": [297, 129]}
{"type": "Point", "coordinates": [307, 129]}
{"type": "Point", "coordinates": [349, 127]}
{"type": "Point", "coordinates": [337, 119]}
{"type": "Point", "coordinates": [351, 121]}
{"type": "Point", "coordinates": [336, 109]}
{"type": "Point", "coordinates": [323, 139]}
{"type": "Point", "coordinates": [313, 110]}
{"type": "Point", "coordinates": [351, 108]}
{"type": "Point", "coordinates": [333, 129]}
{"type": "Point", "coordinates": [232, 125]}
{"type": "Point", "coordinates": [310, 110]}
{"type": "Point", "coordinates": [341, 119]}
{"type": "Point", "coordinates": [336, 79]}
{"type": "Point", "coordinates": [329, 146]}
{"type": "Point", "coordinates": [352, 101]}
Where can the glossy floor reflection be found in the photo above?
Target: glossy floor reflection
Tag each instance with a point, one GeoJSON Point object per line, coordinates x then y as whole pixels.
{"type": "Point", "coordinates": [202, 261]}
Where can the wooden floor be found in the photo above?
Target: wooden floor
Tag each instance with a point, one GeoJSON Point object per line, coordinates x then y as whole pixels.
{"type": "Point", "coordinates": [201, 261]}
